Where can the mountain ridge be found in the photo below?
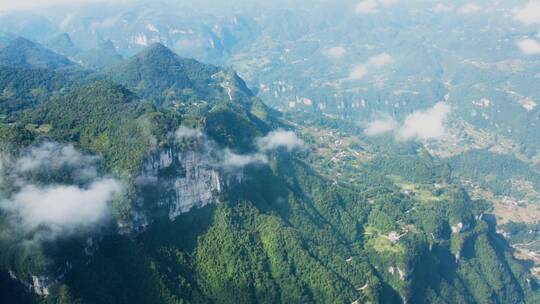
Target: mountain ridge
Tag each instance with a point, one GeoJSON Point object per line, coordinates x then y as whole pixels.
{"type": "Point", "coordinates": [24, 53]}
{"type": "Point", "coordinates": [211, 214]}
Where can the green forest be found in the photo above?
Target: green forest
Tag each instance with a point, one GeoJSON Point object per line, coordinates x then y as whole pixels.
{"type": "Point", "coordinates": [282, 233]}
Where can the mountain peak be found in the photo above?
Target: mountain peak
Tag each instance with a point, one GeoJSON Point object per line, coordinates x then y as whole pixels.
{"type": "Point", "coordinates": [24, 53]}
{"type": "Point", "coordinates": [65, 39]}
{"type": "Point", "coordinates": [157, 50]}
{"type": "Point", "coordinates": [107, 45]}
{"type": "Point", "coordinates": [158, 46]}
{"type": "Point", "coordinates": [62, 44]}
{"type": "Point", "coordinates": [22, 42]}
{"type": "Point", "coordinates": [159, 74]}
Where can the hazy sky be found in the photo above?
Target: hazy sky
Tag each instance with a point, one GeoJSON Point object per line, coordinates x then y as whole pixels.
{"type": "Point", "coordinates": [25, 5]}
{"type": "Point", "coordinates": [207, 5]}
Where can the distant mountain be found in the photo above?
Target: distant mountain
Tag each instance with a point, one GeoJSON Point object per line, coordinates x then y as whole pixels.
{"type": "Point", "coordinates": [157, 73]}
{"type": "Point", "coordinates": [62, 44]}
{"type": "Point", "coordinates": [24, 88]}
{"type": "Point", "coordinates": [103, 56]}
{"type": "Point", "coordinates": [219, 207]}
{"type": "Point", "coordinates": [24, 53]}
{"type": "Point", "coordinates": [5, 39]}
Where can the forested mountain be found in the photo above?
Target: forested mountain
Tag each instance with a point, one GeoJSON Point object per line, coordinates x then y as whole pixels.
{"type": "Point", "coordinates": [62, 44]}
{"type": "Point", "coordinates": [160, 75]}
{"type": "Point", "coordinates": [203, 194]}
{"type": "Point", "coordinates": [24, 53]}
{"type": "Point", "coordinates": [23, 88]}
{"type": "Point", "coordinates": [100, 57]}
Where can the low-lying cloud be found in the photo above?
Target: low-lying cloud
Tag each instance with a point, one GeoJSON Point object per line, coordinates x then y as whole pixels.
{"type": "Point", "coordinates": [367, 7]}
{"type": "Point", "coordinates": [61, 208]}
{"type": "Point", "coordinates": [233, 160]}
{"type": "Point", "coordinates": [380, 60]}
{"type": "Point", "coordinates": [230, 160]}
{"type": "Point", "coordinates": [383, 125]}
{"type": "Point", "coordinates": [373, 6]}
{"type": "Point", "coordinates": [184, 132]}
{"type": "Point", "coordinates": [470, 8]}
{"type": "Point", "coordinates": [40, 205]}
{"type": "Point", "coordinates": [360, 71]}
{"type": "Point", "coordinates": [52, 157]}
{"type": "Point", "coordinates": [529, 46]}
{"type": "Point", "coordinates": [279, 139]}
{"type": "Point", "coordinates": [425, 124]}
{"type": "Point", "coordinates": [441, 8]}
{"type": "Point", "coordinates": [420, 125]}
{"type": "Point", "coordinates": [528, 14]}
{"type": "Point", "coordinates": [336, 52]}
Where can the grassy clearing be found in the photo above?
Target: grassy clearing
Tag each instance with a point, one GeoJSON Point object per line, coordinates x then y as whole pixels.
{"type": "Point", "coordinates": [424, 193]}
{"type": "Point", "coordinates": [380, 242]}
{"type": "Point", "coordinates": [45, 128]}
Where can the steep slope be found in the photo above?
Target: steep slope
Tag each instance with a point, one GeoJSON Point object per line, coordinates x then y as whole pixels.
{"type": "Point", "coordinates": [62, 44]}
{"type": "Point", "coordinates": [221, 206]}
{"type": "Point", "coordinates": [24, 88]}
{"type": "Point", "coordinates": [454, 256]}
{"type": "Point", "coordinates": [24, 53]}
{"type": "Point", "coordinates": [163, 77]}
{"type": "Point", "coordinates": [101, 57]}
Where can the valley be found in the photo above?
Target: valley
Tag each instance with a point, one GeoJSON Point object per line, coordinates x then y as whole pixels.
{"type": "Point", "coordinates": [280, 152]}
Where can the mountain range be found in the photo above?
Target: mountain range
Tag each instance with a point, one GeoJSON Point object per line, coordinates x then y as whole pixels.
{"type": "Point", "coordinates": [190, 189]}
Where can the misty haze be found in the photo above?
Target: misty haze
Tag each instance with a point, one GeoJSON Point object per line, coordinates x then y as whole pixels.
{"type": "Point", "coordinates": [282, 151]}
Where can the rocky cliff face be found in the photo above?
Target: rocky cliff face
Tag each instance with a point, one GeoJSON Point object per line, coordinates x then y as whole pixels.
{"type": "Point", "coordinates": [174, 181]}
{"type": "Point", "coordinates": [186, 179]}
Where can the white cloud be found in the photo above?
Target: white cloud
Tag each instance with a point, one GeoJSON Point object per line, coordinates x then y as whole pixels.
{"type": "Point", "coordinates": [274, 140]}
{"type": "Point", "coordinates": [381, 126]}
{"type": "Point", "coordinates": [57, 190]}
{"type": "Point", "coordinates": [28, 5]}
{"type": "Point", "coordinates": [425, 124]}
{"type": "Point", "coordinates": [527, 103]}
{"type": "Point", "coordinates": [367, 7]}
{"type": "Point", "coordinates": [336, 52]}
{"type": "Point", "coordinates": [380, 60]}
{"type": "Point", "coordinates": [232, 160]}
{"type": "Point", "coordinates": [388, 2]}
{"type": "Point", "coordinates": [372, 6]}
{"type": "Point", "coordinates": [360, 71]}
{"type": "Point", "coordinates": [53, 157]}
{"type": "Point", "coordinates": [528, 14]}
{"type": "Point", "coordinates": [184, 132]}
{"type": "Point", "coordinates": [529, 46]}
{"type": "Point", "coordinates": [469, 8]}
{"type": "Point", "coordinates": [62, 208]}
{"type": "Point", "coordinates": [279, 139]}
{"type": "Point", "coordinates": [441, 8]}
